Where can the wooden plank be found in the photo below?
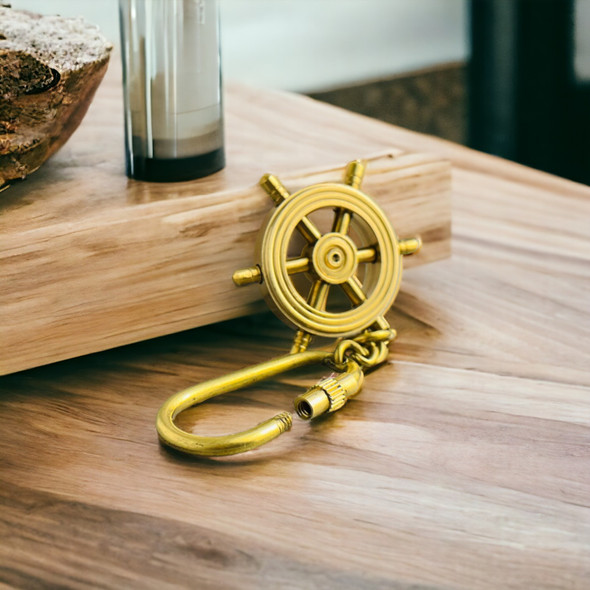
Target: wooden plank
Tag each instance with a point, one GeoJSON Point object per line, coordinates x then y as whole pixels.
{"type": "Point", "coordinates": [92, 260]}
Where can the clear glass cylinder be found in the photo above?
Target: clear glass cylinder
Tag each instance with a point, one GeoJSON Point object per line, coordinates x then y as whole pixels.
{"type": "Point", "coordinates": [172, 89]}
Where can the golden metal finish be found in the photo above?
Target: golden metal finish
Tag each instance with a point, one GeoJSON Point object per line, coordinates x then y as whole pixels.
{"type": "Point", "coordinates": [332, 258]}
{"type": "Point", "coordinates": [307, 271]}
{"type": "Point", "coordinates": [230, 444]}
{"type": "Point", "coordinates": [330, 394]}
{"type": "Point", "coordinates": [409, 246]}
{"type": "Point", "coordinates": [247, 276]}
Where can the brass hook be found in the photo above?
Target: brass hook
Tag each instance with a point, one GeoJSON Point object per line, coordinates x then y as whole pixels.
{"type": "Point", "coordinates": [229, 444]}
{"type": "Point", "coordinates": [329, 395]}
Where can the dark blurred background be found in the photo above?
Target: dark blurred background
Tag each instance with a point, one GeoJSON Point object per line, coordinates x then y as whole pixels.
{"type": "Point", "coordinates": [521, 95]}
{"type": "Point", "coordinates": [509, 77]}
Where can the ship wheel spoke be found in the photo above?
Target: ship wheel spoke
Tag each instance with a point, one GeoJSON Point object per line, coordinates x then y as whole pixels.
{"type": "Point", "coordinates": [342, 220]}
{"type": "Point", "coordinates": [366, 255]}
{"type": "Point", "coordinates": [279, 194]}
{"type": "Point", "coordinates": [309, 230]}
{"type": "Point", "coordinates": [354, 291]}
{"type": "Point", "coordinates": [297, 265]}
{"type": "Point", "coordinates": [318, 295]}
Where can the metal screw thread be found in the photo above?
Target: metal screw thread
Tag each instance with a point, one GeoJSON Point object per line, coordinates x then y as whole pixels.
{"type": "Point", "coordinates": [284, 421]}
{"type": "Point", "coordinates": [335, 392]}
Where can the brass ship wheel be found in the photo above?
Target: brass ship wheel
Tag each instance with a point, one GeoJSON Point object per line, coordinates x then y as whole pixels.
{"type": "Point", "coordinates": [358, 254]}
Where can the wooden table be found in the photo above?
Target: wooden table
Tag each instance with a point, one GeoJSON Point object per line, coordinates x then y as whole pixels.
{"type": "Point", "coordinates": [464, 463]}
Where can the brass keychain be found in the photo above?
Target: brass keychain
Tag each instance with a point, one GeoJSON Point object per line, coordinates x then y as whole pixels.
{"type": "Point", "coordinates": [360, 257]}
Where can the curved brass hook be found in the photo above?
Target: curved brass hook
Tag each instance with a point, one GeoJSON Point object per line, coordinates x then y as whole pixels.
{"type": "Point", "coordinates": [229, 444]}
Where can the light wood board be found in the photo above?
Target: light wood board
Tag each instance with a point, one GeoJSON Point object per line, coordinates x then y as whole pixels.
{"type": "Point", "coordinates": [92, 260]}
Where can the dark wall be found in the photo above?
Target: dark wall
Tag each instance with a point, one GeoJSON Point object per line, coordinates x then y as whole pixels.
{"type": "Point", "coordinates": [524, 100]}
{"type": "Point", "coordinates": [518, 97]}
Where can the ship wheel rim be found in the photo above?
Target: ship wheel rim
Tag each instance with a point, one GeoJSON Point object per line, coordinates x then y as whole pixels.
{"type": "Point", "coordinates": [280, 290]}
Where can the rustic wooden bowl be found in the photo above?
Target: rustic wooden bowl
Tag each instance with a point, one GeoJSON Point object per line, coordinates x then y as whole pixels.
{"type": "Point", "coordinates": [50, 68]}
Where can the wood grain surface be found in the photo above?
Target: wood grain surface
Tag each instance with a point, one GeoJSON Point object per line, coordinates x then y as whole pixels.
{"type": "Point", "coordinates": [464, 463]}
{"type": "Point", "coordinates": [94, 260]}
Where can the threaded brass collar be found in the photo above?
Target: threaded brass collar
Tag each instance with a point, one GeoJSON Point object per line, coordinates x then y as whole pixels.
{"type": "Point", "coordinates": [335, 392]}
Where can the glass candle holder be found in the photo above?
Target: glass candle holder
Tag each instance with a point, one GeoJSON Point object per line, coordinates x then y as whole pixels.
{"type": "Point", "coordinates": [172, 89]}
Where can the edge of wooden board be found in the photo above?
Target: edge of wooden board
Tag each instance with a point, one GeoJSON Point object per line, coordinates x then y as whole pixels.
{"type": "Point", "coordinates": [154, 268]}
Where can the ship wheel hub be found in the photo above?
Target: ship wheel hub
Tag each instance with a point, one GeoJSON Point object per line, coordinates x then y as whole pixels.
{"type": "Point", "coordinates": [334, 258]}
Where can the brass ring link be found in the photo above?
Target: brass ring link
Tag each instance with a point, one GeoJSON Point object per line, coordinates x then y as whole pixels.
{"type": "Point", "coordinates": [376, 336]}
{"type": "Point", "coordinates": [367, 349]}
{"type": "Point", "coordinates": [347, 350]}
